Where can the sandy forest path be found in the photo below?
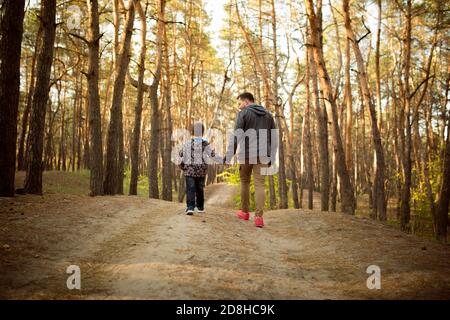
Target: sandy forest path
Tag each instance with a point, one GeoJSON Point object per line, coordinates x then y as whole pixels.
{"type": "Point", "coordinates": [130, 247]}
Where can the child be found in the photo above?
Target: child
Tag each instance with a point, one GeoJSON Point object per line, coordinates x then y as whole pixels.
{"type": "Point", "coordinates": [195, 155]}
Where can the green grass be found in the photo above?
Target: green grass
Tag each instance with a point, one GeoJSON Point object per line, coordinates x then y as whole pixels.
{"type": "Point", "coordinates": [66, 182]}
{"type": "Point", "coordinates": [142, 185]}
{"type": "Point", "coordinates": [231, 176]}
{"type": "Point", "coordinates": [77, 183]}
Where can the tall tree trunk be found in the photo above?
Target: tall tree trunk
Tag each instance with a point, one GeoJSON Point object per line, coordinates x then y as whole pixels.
{"type": "Point", "coordinates": [95, 126]}
{"type": "Point", "coordinates": [282, 187]}
{"type": "Point", "coordinates": [294, 185]}
{"type": "Point", "coordinates": [321, 136]}
{"type": "Point", "coordinates": [292, 147]}
{"type": "Point", "coordinates": [397, 152]}
{"type": "Point", "coordinates": [80, 127]}
{"type": "Point", "coordinates": [444, 194]}
{"type": "Point", "coordinates": [347, 194]}
{"type": "Point", "coordinates": [334, 183]}
{"type": "Point", "coordinates": [428, 154]}
{"type": "Point", "coordinates": [120, 152]}
{"type": "Point", "coordinates": [272, 193]}
{"type": "Point", "coordinates": [405, 209]}
{"type": "Point", "coordinates": [21, 165]}
{"type": "Point", "coordinates": [377, 65]}
{"type": "Point", "coordinates": [49, 139]}
{"type": "Point", "coordinates": [86, 145]}
{"type": "Point", "coordinates": [33, 179]}
{"type": "Point", "coordinates": [116, 23]}
{"type": "Point", "coordinates": [135, 142]}
{"type": "Point", "coordinates": [62, 151]}
{"type": "Point", "coordinates": [378, 194]}
{"type": "Point", "coordinates": [74, 123]}
{"type": "Point", "coordinates": [348, 113]}
{"type": "Point", "coordinates": [321, 118]}
{"type": "Point", "coordinates": [10, 49]}
{"type": "Point", "coordinates": [182, 187]}
{"type": "Point", "coordinates": [427, 158]}
{"type": "Point", "coordinates": [306, 143]}
{"type": "Point", "coordinates": [189, 68]}
{"type": "Point", "coordinates": [167, 152]}
{"type": "Point", "coordinates": [112, 170]}
{"type": "Point", "coordinates": [154, 139]}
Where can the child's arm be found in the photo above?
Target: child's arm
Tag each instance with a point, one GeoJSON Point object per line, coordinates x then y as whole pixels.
{"type": "Point", "coordinates": [182, 166]}
{"type": "Point", "coordinates": [210, 155]}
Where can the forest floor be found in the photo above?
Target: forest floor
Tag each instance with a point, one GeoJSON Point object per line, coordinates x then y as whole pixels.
{"type": "Point", "coordinates": [130, 247]}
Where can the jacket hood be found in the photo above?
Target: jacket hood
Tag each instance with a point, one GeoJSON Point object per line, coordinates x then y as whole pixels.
{"type": "Point", "coordinates": [259, 110]}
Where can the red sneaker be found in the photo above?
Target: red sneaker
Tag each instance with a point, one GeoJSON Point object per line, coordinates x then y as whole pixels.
{"type": "Point", "coordinates": [259, 222]}
{"type": "Point", "coordinates": [243, 215]}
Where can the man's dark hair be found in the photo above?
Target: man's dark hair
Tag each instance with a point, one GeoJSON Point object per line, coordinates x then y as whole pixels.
{"type": "Point", "coordinates": [197, 129]}
{"type": "Point", "coordinates": [246, 95]}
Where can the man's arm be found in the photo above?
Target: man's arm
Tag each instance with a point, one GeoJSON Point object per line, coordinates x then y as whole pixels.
{"type": "Point", "coordinates": [274, 141]}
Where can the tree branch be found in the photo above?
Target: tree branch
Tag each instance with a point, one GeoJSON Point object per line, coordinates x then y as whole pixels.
{"type": "Point", "coordinates": [135, 83]}
{"type": "Point", "coordinates": [367, 33]}
{"type": "Point", "coordinates": [79, 37]}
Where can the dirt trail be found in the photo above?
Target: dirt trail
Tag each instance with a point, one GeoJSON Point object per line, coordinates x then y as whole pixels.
{"type": "Point", "coordinates": [220, 195]}
{"type": "Point", "coordinates": [138, 248]}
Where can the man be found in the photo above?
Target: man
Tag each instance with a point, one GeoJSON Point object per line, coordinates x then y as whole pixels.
{"type": "Point", "coordinates": [257, 148]}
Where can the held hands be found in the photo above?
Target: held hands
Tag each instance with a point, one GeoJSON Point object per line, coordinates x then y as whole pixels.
{"type": "Point", "coordinates": [224, 161]}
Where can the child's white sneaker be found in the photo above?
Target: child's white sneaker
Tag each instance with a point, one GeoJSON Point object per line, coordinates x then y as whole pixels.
{"type": "Point", "coordinates": [199, 210]}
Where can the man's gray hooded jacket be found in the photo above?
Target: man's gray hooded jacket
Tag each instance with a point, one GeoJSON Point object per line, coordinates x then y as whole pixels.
{"type": "Point", "coordinates": [254, 136]}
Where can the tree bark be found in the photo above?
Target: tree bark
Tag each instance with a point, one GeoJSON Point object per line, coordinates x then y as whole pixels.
{"type": "Point", "coordinates": [80, 127]}
{"type": "Point", "coordinates": [307, 152]}
{"type": "Point", "coordinates": [334, 183]}
{"type": "Point", "coordinates": [444, 194]}
{"type": "Point", "coordinates": [21, 165]}
{"type": "Point", "coordinates": [74, 123]}
{"type": "Point", "coordinates": [167, 152]}
{"type": "Point", "coordinates": [378, 193]}
{"type": "Point", "coordinates": [10, 49]}
{"type": "Point", "coordinates": [62, 148]}
{"type": "Point", "coordinates": [272, 193]}
{"type": "Point", "coordinates": [112, 170]}
{"type": "Point", "coordinates": [377, 65]}
{"type": "Point", "coordinates": [95, 126]}
{"type": "Point", "coordinates": [135, 142]}
{"type": "Point", "coordinates": [48, 154]}
{"type": "Point", "coordinates": [33, 179]}
{"type": "Point", "coordinates": [86, 145]}
{"type": "Point", "coordinates": [321, 137]}
{"type": "Point", "coordinates": [348, 113]}
{"type": "Point", "coordinates": [154, 139]}
{"type": "Point", "coordinates": [282, 187]}
{"type": "Point", "coordinates": [347, 194]}
{"type": "Point", "coordinates": [405, 209]}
